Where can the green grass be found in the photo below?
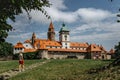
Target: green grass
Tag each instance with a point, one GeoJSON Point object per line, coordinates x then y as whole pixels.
{"type": "Point", "coordinates": [68, 69]}
{"type": "Point", "coordinates": [110, 74]}
{"type": "Point", "coordinates": [13, 64]}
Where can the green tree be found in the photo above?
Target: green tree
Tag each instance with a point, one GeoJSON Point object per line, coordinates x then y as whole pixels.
{"type": "Point", "coordinates": [117, 49]}
{"type": "Point", "coordinates": [6, 49]}
{"type": "Point", "coordinates": [10, 8]}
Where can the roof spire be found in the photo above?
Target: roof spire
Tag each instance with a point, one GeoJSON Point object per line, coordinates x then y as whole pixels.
{"type": "Point", "coordinates": [51, 25]}
{"type": "Point", "coordinates": [33, 35]}
{"type": "Point", "coordinates": [51, 32]}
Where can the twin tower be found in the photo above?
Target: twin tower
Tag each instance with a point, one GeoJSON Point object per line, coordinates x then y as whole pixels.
{"type": "Point", "coordinates": [64, 37]}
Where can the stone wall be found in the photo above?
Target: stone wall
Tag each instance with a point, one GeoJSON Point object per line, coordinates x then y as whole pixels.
{"type": "Point", "coordinates": [63, 55]}
{"type": "Point", "coordinates": [43, 54]}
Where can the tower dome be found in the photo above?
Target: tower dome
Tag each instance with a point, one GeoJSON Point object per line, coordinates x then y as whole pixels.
{"type": "Point", "coordinates": [64, 28]}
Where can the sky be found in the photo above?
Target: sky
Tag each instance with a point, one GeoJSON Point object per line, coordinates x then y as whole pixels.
{"type": "Point", "coordinates": [92, 21]}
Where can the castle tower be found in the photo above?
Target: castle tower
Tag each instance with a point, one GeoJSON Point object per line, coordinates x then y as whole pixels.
{"type": "Point", "coordinates": [51, 32]}
{"type": "Point", "coordinates": [64, 37]}
{"type": "Point", "coordinates": [33, 38]}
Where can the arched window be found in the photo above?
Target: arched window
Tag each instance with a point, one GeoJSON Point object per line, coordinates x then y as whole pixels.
{"type": "Point", "coordinates": [65, 37]}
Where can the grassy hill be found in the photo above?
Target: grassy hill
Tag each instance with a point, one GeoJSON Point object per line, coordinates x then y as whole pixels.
{"type": "Point", "coordinates": [68, 69]}
{"type": "Point", "coordinates": [110, 74]}
{"type": "Point", "coordinates": [7, 65]}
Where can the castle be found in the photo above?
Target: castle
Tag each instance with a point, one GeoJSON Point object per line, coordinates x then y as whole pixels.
{"type": "Point", "coordinates": [51, 49]}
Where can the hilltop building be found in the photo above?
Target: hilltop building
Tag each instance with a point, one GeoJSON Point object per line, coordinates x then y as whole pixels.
{"type": "Point", "coordinates": [64, 48]}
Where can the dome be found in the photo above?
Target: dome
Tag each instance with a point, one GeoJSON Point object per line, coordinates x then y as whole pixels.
{"type": "Point", "coordinates": [64, 28]}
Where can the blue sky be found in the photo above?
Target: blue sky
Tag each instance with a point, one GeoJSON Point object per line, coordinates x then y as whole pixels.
{"type": "Point", "coordinates": [92, 21]}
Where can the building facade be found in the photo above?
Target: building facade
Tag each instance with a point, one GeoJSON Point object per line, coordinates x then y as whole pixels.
{"type": "Point", "coordinates": [51, 49]}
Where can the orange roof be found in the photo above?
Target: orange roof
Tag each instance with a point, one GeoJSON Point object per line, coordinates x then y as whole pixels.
{"type": "Point", "coordinates": [66, 50]}
{"type": "Point", "coordinates": [94, 47]}
{"type": "Point", "coordinates": [76, 44]}
{"type": "Point", "coordinates": [19, 45]}
{"type": "Point", "coordinates": [27, 41]}
{"type": "Point", "coordinates": [103, 49]}
{"type": "Point", "coordinates": [53, 43]}
{"type": "Point", "coordinates": [43, 43]}
{"type": "Point", "coordinates": [112, 51]}
{"type": "Point", "coordinates": [30, 50]}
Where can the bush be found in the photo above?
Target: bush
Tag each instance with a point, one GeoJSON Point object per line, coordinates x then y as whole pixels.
{"type": "Point", "coordinates": [29, 55]}
{"type": "Point", "coordinates": [6, 49]}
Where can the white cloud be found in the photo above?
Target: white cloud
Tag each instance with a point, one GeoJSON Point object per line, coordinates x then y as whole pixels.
{"type": "Point", "coordinates": [57, 14]}
{"type": "Point", "coordinates": [92, 14]}
{"type": "Point", "coordinates": [21, 36]}
{"type": "Point", "coordinates": [41, 35]}
{"type": "Point", "coordinates": [38, 16]}
{"type": "Point", "coordinates": [96, 36]}
{"type": "Point", "coordinates": [58, 4]}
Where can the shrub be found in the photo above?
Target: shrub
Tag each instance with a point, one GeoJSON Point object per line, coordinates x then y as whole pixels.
{"type": "Point", "coordinates": [29, 55]}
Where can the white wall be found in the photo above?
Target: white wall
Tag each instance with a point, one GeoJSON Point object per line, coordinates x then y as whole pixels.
{"type": "Point", "coordinates": [27, 45]}
{"type": "Point", "coordinates": [18, 50]}
{"type": "Point", "coordinates": [65, 44]}
{"type": "Point", "coordinates": [63, 37]}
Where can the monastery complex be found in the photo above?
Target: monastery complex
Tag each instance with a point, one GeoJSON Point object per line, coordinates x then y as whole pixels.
{"type": "Point", "coordinates": [64, 48]}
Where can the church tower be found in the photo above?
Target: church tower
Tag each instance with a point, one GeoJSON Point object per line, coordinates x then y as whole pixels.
{"type": "Point", "coordinates": [33, 38]}
{"type": "Point", "coordinates": [51, 32]}
{"type": "Point", "coordinates": [64, 37]}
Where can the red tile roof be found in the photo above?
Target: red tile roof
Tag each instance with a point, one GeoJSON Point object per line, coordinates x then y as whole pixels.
{"type": "Point", "coordinates": [43, 43]}
{"type": "Point", "coordinates": [76, 44]}
{"type": "Point", "coordinates": [30, 50]}
{"type": "Point", "coordinates": [19, 45]}
{"type": "Point", "coordinates": [27, 41]}
{"type": "Point", "coordinates": [93, 47]}
{"type": "Point", "coordinates": [112, 51]}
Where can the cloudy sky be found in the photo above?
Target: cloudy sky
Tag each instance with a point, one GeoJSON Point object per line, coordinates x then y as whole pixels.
{"type": "Point", "coordinates": [92, 21]}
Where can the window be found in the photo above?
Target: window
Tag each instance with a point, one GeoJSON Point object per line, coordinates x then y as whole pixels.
{"type": "Point", "coordinates": [81, 48]}
{"type": "Point", "coordinates": [65, 43]}
{"type": "Point", "coordinates": [65, 37]}
{"type": "Point", "coordinates": [94, 47]}
{"type": "Point", "coordinates": [48, 46]}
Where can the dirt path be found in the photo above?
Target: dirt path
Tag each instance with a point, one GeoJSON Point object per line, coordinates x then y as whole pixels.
{"type": "Point", "coordinates": [13, 72]}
